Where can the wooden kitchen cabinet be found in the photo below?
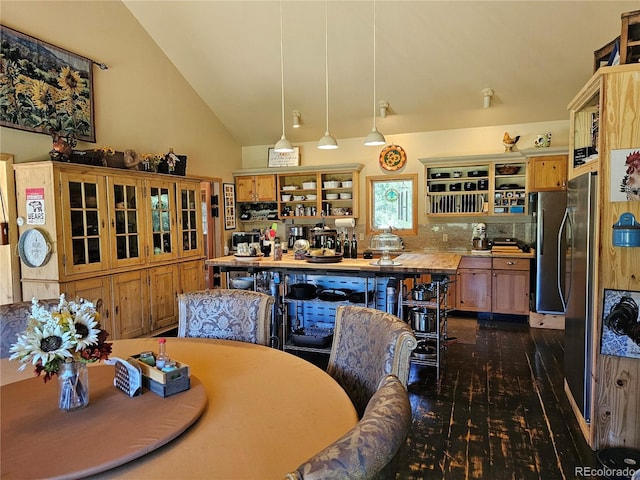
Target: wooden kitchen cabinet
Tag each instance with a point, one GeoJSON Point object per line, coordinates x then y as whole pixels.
{"type": "Point", "coordinates": [98, 291]}
{"type": "Point", "coordinates": [130, 305]}
{"type": "Point", "coordinates": [255, 185]}
{"type": "Point", "coordinates": [510, 286]}
{"type": "Point", "coordinates": [192, 276]}
{"type": "Point", "coordinates": [163, 297]}
{"type": "Point", "coordinates": [116, 237]}
{"type": "Point", "coordinates": [548, 173]}
{"type": "Point", "coordinates": [256, 188]}
{"type": "Point", "coordinates": [84, 201]}
{"type": "Point", "coordinates": [493, 284]}
{"type": "Point", "coordinates": [473, 284]}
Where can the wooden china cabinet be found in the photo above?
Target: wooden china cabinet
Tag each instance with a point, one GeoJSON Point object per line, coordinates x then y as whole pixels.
{"type": "Point", "coordinates": [128, 240]}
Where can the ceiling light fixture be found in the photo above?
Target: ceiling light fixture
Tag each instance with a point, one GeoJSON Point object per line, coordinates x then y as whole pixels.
{"type": "Point", "coordinates": [283, 145]}
{"type": "Point", "coordinates": [296, 119]}
{"type": "Point", "coordinates": [375, 138]}
{"type": "Point", "coordinates": [327, 142]}
{"type": "Point", "coordinates": [384, 109]}
{"type": "Point", "coordinates": [487, 93]}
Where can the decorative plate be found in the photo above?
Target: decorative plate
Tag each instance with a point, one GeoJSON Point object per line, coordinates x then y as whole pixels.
{"type": "Point", "coordinates": [392, 157]}
{"type": "Point", "coordinates": [34, 247]}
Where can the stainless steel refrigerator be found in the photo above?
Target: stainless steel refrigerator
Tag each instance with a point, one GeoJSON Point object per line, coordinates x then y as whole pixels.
{"type": "Point", "coordinates": [578, 230]}
{"type": "Point", "coordinates": [549, 210]}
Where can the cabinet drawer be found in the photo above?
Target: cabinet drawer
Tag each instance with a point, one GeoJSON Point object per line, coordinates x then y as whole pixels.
{"type": "Point", "coordinates": [475, 262]}
{"type": "Point", "coordinates": [511, 263]}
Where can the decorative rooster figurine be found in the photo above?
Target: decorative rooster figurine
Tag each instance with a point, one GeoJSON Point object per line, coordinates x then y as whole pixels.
{"type": "Point", "coordinates": [509, 142]}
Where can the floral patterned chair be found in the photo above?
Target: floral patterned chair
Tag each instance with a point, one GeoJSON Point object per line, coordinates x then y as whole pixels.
{"type": "Point", "coordinates": [224, 313]}
{"type": "Point", "coordinates": [370, 449]}
{"type": "Point", "coordinates": [13, 321]}
{"type": "Point", "coordinates": [367, 345]}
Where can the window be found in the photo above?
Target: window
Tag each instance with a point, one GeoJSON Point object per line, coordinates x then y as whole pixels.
{"type": "Point", "coordinates": [392, 201]}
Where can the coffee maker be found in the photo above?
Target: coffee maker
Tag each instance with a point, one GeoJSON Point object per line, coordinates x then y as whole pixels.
{"type": "Point", "coordinates": [296, 232]}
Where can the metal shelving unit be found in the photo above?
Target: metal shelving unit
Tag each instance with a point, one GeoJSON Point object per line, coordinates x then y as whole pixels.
{"type": "Point", "coordinates": [435, 336]}
{"type": "Point", "coordinates": [318, 315]}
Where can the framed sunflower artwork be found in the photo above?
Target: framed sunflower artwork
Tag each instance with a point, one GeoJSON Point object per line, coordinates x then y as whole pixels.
{"type": "Point", "coordinates": [45, 88]}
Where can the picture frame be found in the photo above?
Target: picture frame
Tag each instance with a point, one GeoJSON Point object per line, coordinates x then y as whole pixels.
{"type": "Point", "coordinates": [620, 320]}
{"type": "Point", "coordinates": [52, 90]}
{"type": "Point", "coordinates": [229, 204]}
{"type": "Point", "coordinates": [279, 159]}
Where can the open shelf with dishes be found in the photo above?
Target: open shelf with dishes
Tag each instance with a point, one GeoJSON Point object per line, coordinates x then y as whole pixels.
{"type": "Point", "coordinates": [318, 194]}
{"type": "Point", "coordinates": [476, 185]}
{"type": "Point", "coordinates": [510, 184]}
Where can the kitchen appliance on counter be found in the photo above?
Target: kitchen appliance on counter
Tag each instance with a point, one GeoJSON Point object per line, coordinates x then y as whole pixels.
{"type": "Point", "coordinates": [577, 295]}
{"type": "Point", "coordinates": [479, 239]}
{"type": "Point", "coordinates": [296, 232]}
{"type": "Point", "coordinates": [243, 237]}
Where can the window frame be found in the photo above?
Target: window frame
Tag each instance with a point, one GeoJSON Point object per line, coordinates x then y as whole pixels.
{"type": "Point", "coordinates": [371, 181]}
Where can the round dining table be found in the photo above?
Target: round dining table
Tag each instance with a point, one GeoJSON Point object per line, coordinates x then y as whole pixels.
{"type": "Point", "coordinates": [265, 413]}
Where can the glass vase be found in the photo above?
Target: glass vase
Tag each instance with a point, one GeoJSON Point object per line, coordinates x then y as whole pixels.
{"type": "Point", "coordinates": [73, 382]}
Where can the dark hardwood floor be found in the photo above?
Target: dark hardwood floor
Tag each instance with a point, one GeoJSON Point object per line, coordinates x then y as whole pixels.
{"type": "Point", "coordinates": [498, 410]}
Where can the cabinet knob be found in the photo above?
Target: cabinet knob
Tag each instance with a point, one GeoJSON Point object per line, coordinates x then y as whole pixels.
{"type": "Point", "coordinates": [511, 263]}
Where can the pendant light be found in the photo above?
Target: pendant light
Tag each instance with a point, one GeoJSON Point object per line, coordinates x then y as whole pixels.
{"type": "Point", "coordinates": [283, 145]}
{"type": "Point", "coordinates": [375, 138]}
{"type": "Point", "coordinates": [327, 142]}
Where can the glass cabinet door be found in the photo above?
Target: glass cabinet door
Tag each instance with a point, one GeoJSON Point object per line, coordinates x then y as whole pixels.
{"type": "Point", "coordinates": [163, 232]}
{"type": "Point", "coordinates": [84, 223]}
{"type": "Point", "coordinates": [190, 219]}
{"type": "Point", "coordinates": [124, 204]}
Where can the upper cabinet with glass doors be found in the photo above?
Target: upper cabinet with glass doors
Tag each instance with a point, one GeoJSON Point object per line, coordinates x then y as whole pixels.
{"type": "Point", "coordinates": [162, 224]}
{"type": "Point", "coordinates": [84, 220]}
{"type": "Point", "coordinates": [190, 219]}
{"type": "Point", "coordinates": [126, 222]}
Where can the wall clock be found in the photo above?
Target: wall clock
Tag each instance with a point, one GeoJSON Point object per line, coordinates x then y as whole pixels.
{"type": "Point", "coordinates": [392, 157]}
{"type": "Point", "coordinates": [34, 247]}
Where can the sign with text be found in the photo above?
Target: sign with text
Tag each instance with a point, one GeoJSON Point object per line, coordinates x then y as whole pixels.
{"type": "Point", "coordinates": [35, 206]}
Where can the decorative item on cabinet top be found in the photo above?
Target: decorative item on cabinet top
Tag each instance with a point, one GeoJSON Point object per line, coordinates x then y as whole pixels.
{"type": "Point", "coordinates": [169, 162]}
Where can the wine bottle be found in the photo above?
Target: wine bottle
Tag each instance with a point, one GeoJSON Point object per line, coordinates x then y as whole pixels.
{"type": "Point", "coordinates": [354, 247]}
{"type": "Point", "coordinates": [346, 247]}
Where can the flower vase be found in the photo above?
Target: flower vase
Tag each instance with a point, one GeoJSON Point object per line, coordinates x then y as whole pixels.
{"type": "Point", "coordinates": [73, 382]}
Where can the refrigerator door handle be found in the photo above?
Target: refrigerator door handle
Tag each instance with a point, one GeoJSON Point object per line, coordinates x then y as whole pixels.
{"type": "Point", "coordinates": [541, 224]}
{"type": "Point", "coordinates": [561, 232]}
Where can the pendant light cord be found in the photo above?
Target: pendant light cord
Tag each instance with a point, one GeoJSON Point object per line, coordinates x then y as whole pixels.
{"type": "Point", "coordinates": [326, 59]}
{"type": "Point", "coordinates": [374, 64]}
{"type": "Point", "coordinates": [282, 67]}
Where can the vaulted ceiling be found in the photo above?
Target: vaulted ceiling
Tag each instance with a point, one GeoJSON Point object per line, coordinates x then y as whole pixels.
{"type": "Point", "coordinates": [433, 59]}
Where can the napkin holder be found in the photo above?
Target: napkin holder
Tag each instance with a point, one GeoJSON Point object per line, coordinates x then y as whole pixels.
{"type": "Point", "coordinates": [127, 377]}
{"type": "Point", "coordinates": [164, 383]}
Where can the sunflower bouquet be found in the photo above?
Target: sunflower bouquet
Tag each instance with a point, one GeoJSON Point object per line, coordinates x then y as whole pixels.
{"type": "Point", "coordinates": [69, 332]}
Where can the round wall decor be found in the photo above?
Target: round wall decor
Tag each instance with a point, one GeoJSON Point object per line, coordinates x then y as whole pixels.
{"type": "Point", "coordinates": [34, 247]}
{"type": "Point", "coordinates": [392, 157]}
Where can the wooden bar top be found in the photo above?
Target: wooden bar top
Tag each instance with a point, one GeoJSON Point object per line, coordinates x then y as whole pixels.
{"type": "Point", "coordinates": [407, 263]}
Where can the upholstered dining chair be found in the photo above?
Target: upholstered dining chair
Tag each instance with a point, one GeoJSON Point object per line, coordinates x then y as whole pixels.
{"type": "Point", "coordinates": [367, 345]}
{"type": "Point", "coordinates": [225, 313]}
{"type": "Point", "coordinates": [370, 449]}
{"type": "Point", "coordinates": [13, 321]}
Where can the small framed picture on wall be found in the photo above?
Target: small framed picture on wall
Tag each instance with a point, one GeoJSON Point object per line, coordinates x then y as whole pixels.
{"type": "Point", "coordinates": [229, 191]}
{"type": "Point", "coordinates": [278, 159]}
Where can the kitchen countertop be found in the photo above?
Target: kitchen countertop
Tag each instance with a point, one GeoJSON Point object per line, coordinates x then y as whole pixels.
{"type": "Point", "coordinates": [484, 253]}
{"type": "Point", "coordinates": [408, 263]}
